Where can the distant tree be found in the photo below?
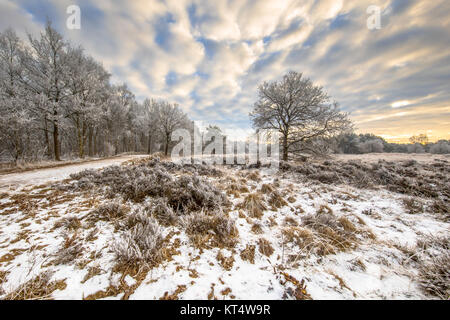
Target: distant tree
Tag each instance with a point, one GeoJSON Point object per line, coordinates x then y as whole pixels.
{"type": "Point", "coordinates": [371, 146]}
{"type": "Point", "coordinates": [299, 110]}
{"type": "Point", "coordinates": [440, 147]}
{"type": "Point", "coordinates": [171, 117]}
{"type": "Point", "coordinates": [416, 148]}
{"type": "Point", "coordinates": [347, 143]}
{"type": "Point", "coordinates": [151, 120]}
{"type": "Point", "coordinates": [421, 138]}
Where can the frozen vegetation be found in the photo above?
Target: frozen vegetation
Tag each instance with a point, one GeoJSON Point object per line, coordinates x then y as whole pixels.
{"type": "Point", "coordinates": [151, 229]}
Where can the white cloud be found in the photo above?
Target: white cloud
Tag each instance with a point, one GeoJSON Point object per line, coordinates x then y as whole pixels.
{"type": "Point", "coordinates": [219, 51]}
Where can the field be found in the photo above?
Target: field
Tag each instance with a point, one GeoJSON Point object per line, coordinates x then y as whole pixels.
{"type": "Point", "coordinates": [348, 227]}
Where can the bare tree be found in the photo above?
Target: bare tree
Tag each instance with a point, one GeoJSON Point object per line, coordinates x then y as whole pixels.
{"type": "Point", "coordinates": [151, 120]}
{"type": "Point", "coordinates": [299, 110]}
{"type": "Point", "coordinates": [47, 71]}
{"type": "Point", "coordinates": [421, 139]}
{"type": "Point", "coordinates": [14, 116]}
{"type": "Point", "coordinates": [171, 117]}
{"type": "Point", "coordinates": [86, 83]}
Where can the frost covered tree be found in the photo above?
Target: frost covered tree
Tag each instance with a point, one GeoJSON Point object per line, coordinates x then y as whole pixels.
{"type": "Point", "coordinates": [87, 83]}
{"type": "Point", "coordinates": [56, 100]}
{"type": "Point", "coordinates": [47, 75]}
{"type": "Point", "coordinates": [371, 146]}
{"type": "Point", "coordinates": [170, 118]}
{"type": "Point", "coordinates": [151, 121]}
{"type": "Point", "coordinates": [301, 111]}
{"type": "Point", "coordinates": [15, 118]}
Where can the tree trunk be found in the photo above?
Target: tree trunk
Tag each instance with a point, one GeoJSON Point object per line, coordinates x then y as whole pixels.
{"type": "Point", "coordinates": [149, 150]}
{"type": "Point", "coordinates": [166, 149]}
{"type": "Point", "coordinates": [285, 147]}
{"type": "Point", "coordinates": [47, 139]}
{"type": "Point", "coordinates": [90, 141]}
{"type": "Point", "coordinates": [80, 138]}
{"type": "Point", "coordinates": [95, 142]}
{"type": "Point", "coordinates": [83, 139]}
{"type": "Point", "coordinates": [56, 140]}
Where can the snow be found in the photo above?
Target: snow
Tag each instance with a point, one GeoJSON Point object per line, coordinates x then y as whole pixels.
{"type": "Point", "coordinates": [334, 276]}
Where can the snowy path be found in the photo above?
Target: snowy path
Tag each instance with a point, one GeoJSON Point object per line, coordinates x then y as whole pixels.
{"type": "Point", "coordinates": [15, 181]}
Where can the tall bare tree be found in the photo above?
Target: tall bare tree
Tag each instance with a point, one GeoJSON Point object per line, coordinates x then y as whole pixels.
{"type": "Point", "coordinates": [171, 117]}
{"type": "Point", "coordinates": [47, 72]}
{"type": "Point", "coordinates": [299, 110]}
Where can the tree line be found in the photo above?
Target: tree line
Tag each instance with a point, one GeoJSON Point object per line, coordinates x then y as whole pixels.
{"type": "Point", "coordinates": [352, 143]}
{"type": "Point", "coordinates": [55, 101]}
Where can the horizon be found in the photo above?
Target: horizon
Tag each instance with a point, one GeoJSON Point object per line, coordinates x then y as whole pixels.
{"type": "Point", "coordinates": [390, 79]}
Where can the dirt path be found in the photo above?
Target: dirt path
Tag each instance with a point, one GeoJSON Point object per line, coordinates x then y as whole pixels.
{"type": "Point", "coordinates": [13, 181]}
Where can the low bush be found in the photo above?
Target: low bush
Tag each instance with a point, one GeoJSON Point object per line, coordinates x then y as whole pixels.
{"type": "Point", "coordinates": [215, 230]}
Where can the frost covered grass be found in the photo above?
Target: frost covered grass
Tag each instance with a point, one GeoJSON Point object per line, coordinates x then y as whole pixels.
{"type": "Point", "coordinates": [151, 229]}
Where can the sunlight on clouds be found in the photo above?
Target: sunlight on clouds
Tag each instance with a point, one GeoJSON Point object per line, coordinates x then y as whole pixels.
{"type": "Point", "coordinates": [216, 53]}
{"type": "Point", "coordinates": [399, 104]}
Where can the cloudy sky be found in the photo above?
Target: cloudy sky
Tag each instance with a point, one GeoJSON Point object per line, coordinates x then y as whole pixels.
{"type": "Point", "coordinates": [210, 56]}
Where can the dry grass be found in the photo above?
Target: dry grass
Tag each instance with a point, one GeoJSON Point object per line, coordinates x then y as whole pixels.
{"type": "Point", "coordinates": [347, 224]}
{"type": "Point", "coordinates": [38, 288]}
{"type": "Point", "coordinates": [265, 247]}
{"type": "Point", "coordinates": [206, 231]}
{"type": "Point", "coordinates": [236, 189]}
{"type": "Point", "coordinates": [70, 250]}
{"type": "Point", "coordinates": [321, 234]}
{"type": "Point", "coordinates": [109, 211]}
{"type": "Point", "coordinates": [248, 254]}
{"type": "Point", "coordinates": [299, 293]}
{"type": "Point", "coordinates": [267, 188]}
{"type": "Point", "coordinates": [289, 221]}
{"type": "Point", "coordinates": [254, 176]}
{"type": "Point", "coordinates": [71, 223]}
{"type": "Point", "coordinates": [412, 205]}
{"type": "Point", "coordinates": [92, 272]}
{"type": "Point", "coordinates": [432, 255]}
{"type": "Point", "coordinates": [225, 262]}
{"type": "Point", "coordinates": [257, 228]}
{"type": "Point", "coordinates": [163, 213]}
{"type": "Point", "coordinates": [254, 205]}
{"type": "Point", "coordinates": [424, 179]}
{"type": "Point", "coordinates": [276, 201]}
{"type": "Point", "coordinates": [174, 296]}
{"type": "Point", "coordinates": [140, 243]}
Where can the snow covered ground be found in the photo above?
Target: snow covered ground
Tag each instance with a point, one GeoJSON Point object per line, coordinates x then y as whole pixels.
{"type": "Point", "coordinates": [366, 245]}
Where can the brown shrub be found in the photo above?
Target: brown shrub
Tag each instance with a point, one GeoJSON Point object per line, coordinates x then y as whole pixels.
{"type": "Point", "coordinates": [70, 223]}
{"type": "Point", "coordinates": [412, 205]}
{"type": "Point", "coordinates": [225, 262]}
{"type": "Point", "coordinates": [216, 230]}
{"type": "Point", "coordinates": [347, 224]}
{"type": "Point", "coordinates": [70, 250]}
{"type": "Point", "coordinates": [267, 188]}
{"type": "Point", "coordinates": [109, 211]}
{"type": "Point", "coordinates": [248, 254]}
{"type": "Point", "coordinates": [254, 205]}
{"type": "Point", "coordinates": [265, 247]}
{"type": "Point", "coordinates": [257, 228]}
{"type": "Point", "coordinates": [38, 288]}
{"type": "Point", "coordinates": [276, 200]}
{"type": "Point", "coordinates": [140, 243]}
{"type": "Point", "coordinates": [254, 175]}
